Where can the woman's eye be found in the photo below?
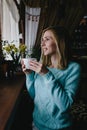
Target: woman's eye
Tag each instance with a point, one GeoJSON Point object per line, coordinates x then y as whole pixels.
{"type": "Point", "coordinates": [44, 40]}
{"type": "Point", "coordinates": [47, 39]}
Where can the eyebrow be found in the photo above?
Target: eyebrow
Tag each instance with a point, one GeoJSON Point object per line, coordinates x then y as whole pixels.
{"type": "Point", "coordinates": [47, 37]}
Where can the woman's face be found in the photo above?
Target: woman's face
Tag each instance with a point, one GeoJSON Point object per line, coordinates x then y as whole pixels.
{"type": "Point", "coordinates": [48, 44]}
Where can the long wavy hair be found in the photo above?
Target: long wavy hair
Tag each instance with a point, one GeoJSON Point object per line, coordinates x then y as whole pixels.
{"type": "Point", "coordinates": [62, 40]}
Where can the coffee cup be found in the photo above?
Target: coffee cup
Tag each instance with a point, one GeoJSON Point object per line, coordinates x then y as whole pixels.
{"type": "Point", "coordinates": [26, 62]}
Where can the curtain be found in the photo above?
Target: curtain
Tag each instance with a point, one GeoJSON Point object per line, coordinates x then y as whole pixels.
{"type": "Point", "coordinates": [66, 13]}
{"type": "Point", "coordinates": [48, 17]}
{"type": "Point", "coordinates": [73, 13]}
{"type": "Point", "coordinates": [0, 21]}
{"type": "Point", "coordinates": [57, 12]}
{"type": "Point", "coordinates": [10, 19]}
{"type": "Point", "coordinates": [31, 25]}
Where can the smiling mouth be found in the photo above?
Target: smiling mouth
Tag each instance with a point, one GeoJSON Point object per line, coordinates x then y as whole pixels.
{"type": "Point", "coordinates": [45, 49]}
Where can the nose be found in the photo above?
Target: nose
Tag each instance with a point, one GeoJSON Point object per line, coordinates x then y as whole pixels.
{"type": "Point", "coordinates": [43, 43]}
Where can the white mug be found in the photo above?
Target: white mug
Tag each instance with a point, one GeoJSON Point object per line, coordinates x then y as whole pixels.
{"type": "Point", "coordinates": [26, 62]}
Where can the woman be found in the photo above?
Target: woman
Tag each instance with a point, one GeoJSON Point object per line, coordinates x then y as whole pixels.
{"type": "Point", "coordinates": [53, 82]}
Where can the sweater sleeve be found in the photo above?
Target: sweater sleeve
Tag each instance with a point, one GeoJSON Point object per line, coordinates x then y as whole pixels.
{"type": "Point", "coordinates": [30, 84]}
{"type": "Point", "coordinates": [63, 96]}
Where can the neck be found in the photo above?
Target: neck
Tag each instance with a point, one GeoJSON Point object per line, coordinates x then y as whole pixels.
{"type": "Point", "coordinates": [54, 61]}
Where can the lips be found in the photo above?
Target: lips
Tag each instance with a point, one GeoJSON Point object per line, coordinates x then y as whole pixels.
{"type": "Point", "coordinates": [45, 49]}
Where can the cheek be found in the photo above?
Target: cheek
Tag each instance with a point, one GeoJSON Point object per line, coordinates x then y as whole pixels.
{"type": "Point", "coordinates": [53, 47]}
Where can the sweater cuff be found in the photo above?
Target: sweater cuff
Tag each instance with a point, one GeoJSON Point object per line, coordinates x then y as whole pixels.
{"type": "Point", "coordinates": [30, 76]}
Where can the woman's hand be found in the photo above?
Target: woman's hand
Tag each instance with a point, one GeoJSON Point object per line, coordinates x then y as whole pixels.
{"type": "Point", "coordinates": [26, 71]}
{"type": "Point", "coordinates": [37, 67]}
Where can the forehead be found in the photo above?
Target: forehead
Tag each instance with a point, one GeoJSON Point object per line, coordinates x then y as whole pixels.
{"type": "Point", "coordinates": [48, 33]}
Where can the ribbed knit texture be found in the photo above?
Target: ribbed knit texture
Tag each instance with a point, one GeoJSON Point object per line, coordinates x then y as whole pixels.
{"type": "Point", "coordinates": [53, 94]}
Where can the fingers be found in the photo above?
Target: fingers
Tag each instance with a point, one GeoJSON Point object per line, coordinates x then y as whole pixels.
{"type": "Point", "coordinates": [22, 62]}
{"type": "Point", "coordinates": [35, 63]}
{"type": "Point", "coordinates": [26, 71]}
{"type": "Point", "coordinates": [23, 68]}
{"type": "Point", "coordinates": [35, 66]}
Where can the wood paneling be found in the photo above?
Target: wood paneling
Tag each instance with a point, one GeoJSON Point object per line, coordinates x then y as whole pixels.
{"type": "Point", "coordinates": [9, 93]}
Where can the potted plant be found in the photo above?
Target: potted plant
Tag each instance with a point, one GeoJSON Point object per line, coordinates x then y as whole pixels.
{"type": "Point", "coordinates": [15, 53]}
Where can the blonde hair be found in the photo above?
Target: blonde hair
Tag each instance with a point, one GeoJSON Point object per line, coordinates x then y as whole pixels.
{"type": "Point", "coordinates": [62, 40]}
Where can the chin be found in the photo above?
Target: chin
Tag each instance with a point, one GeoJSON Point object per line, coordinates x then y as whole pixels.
{"type": "Point", "coordinates": [46, 54]}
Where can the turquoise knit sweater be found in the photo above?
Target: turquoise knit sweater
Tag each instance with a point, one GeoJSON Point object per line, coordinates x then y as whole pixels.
{"type": "Point", "coordinates": [53, 94]}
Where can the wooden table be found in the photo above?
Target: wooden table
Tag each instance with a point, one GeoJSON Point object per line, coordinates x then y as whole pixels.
{"type": "Point", "coordinates": [10, 90]}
